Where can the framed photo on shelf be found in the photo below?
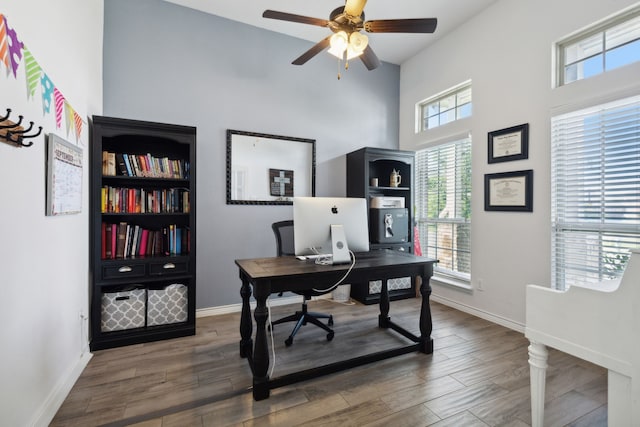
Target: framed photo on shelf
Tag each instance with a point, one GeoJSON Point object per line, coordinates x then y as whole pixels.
{"type": "Point", "coordinates": [509, 144]}
{"type": "Point", "coordinates": [509, 191]}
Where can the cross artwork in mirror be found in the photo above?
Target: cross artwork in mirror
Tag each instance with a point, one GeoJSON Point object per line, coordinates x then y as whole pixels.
{"type": "Point", "coordinates": [267, 169]}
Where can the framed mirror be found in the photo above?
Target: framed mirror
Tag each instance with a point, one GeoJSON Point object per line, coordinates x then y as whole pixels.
{"type": "Point", "coordinates": [267, 169]}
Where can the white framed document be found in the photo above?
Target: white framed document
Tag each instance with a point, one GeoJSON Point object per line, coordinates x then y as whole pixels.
{"type": "Point", "coordinates": [509, 144]}
{"type": "Point", "coordinates": [64, 177]}
{"type": "Point", "coordinates": [509, 191]}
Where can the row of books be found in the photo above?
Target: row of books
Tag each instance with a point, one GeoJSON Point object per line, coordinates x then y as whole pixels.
{"type": "Point", "coordinates": [141, 200]}
{"type": "Point", "coordinates": [125, 240]}
{"type": "Point", "coordinates": [143, 165]}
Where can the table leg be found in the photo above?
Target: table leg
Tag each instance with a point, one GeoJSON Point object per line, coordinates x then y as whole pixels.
{"type": "Point", "coordinates": [383, 318]}
{"type": "Point", "coordinates": [246, 325]}
{"type": "Point", "coordinates": [261, 349]}
{"type": "Point", "coordinates": [426, 323]}
{"type": "Point", "coordinates": [538, 355]}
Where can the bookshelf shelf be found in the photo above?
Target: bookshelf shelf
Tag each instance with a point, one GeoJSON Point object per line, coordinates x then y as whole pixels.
{"type": "Point", "coordinates": [142, 231]}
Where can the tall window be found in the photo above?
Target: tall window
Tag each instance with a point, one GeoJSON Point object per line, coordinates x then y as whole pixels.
{"type": "Point", "coordinates": [443, 193]}
{"type": "Point", "coordinates": [609, 45]}
{"type": "Point", "coordinates": [595, 191]}
{"type": "Point", "coordinates": [450, 106]}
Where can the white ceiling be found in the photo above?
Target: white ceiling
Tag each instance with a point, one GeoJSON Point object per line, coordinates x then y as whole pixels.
{"type": "Point", "coordinates": [393, 48]}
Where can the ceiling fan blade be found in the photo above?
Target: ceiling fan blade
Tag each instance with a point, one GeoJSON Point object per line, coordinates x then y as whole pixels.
{"type": "Point", "coordinates": [424, 25]}
{"type": "Point", "coordinates": [316, 49]}
{"type": "Point", "coordinates": [369, 59]}
{"type": "Point", "coordinates": [283, 16]}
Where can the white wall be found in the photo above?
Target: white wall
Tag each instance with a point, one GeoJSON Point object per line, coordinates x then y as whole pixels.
{"type": "Point", "coordinates": [44, 259]}
{"type": "Point", "coordinates": [507, 53]}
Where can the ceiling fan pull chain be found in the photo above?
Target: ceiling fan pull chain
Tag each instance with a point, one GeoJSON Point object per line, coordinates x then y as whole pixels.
{"type": "Point", "coordinates": [339, 61]}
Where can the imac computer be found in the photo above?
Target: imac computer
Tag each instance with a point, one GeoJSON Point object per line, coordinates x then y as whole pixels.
{"type": "Point", "coordinates": [330, 226]}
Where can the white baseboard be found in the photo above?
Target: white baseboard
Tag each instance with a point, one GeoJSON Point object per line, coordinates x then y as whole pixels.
{"type": "Point", "coordinates": [44, 415]}
{"type": "Point", "coordinates": [507, 323]}
{"type": "Point", "coordinates": [236, 308]}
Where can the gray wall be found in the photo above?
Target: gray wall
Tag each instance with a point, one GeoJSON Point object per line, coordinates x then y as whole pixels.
{"type": "Point", "coordinates": [167, 63]}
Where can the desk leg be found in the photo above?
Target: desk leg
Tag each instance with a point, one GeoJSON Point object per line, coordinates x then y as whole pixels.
{"type": "Point", "coordinates": [246, 325]}
{"type": "Point", "coordinates": [538, 355]}
{"type": "Point", "coordinates": [426, 323]}
{"type": "Point", "coordinates": [383, 318]}
{"type": "Point", "coordinates": [261, 349]}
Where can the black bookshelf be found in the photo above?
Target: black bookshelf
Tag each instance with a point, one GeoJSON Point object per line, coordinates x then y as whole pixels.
{"type": "Point", "coordinates": [142, 231]}
{"type": "Point", "coordinates": [371, 162]}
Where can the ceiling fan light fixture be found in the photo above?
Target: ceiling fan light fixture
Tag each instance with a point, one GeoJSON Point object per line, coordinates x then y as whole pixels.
{"type": "Point", "coordinates": [358, 41]}
{"type": "Point", "coordinates": [338, 42]}
{"type": "Point", "coordinates": [357, 44]}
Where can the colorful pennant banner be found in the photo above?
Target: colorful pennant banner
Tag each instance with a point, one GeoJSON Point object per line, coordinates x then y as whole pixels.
{"type": "Point", "coordinates": [12, 53]}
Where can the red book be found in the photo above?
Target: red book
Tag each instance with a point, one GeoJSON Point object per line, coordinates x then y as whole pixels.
{"type": "Point", "coordinates": [103, 239]}
{"type": "Point", "coordinates": [143, 242]}
{"type": "Point", "coordinates": [114, 239]}
{"type": "Point", "coordinates": [121, 239]}
{"type": "Point", "coordinates": [131, 200]}
{"type": "Point", "coordinates": [107, 242]}
{"type": "Point", "coordinates": [150, 242]}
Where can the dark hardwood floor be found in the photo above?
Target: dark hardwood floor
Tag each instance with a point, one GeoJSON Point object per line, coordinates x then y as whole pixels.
{"type": "Point", "coordinates": [478, 375]}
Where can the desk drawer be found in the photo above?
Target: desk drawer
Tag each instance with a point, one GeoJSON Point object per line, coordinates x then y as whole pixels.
{"type": "Point", "coordinates": [119, 271]}
{"type": "Point", "coordinates": [167, 267]}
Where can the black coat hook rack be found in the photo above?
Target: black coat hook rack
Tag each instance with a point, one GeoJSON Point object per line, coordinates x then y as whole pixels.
{"type": "Point", "coordinates": [15, 134]}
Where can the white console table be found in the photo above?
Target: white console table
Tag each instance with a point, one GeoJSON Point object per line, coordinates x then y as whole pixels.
{"type": "Point", "coordinates": [600, 324]}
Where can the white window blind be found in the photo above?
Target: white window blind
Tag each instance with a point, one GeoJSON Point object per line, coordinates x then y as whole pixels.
{"type": "Point", "coordinates": [443, 193]}
{"type": "Point", "coordinates": [595, 192]}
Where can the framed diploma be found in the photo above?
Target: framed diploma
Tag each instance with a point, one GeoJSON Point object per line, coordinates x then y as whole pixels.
{"type": "Point", "coordinates": [509, 144]}
{"type": "Point", "coordinates": [509, 191]}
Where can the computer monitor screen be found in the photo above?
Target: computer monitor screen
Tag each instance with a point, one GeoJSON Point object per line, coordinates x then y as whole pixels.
{"type": "Point", "coordinates": [313, 217]}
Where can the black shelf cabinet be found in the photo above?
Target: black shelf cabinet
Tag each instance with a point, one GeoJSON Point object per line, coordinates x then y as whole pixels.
{"type": "Point", "coordinates": [368, 163]}
{"type": "Point", "coordinates": [165, 269]}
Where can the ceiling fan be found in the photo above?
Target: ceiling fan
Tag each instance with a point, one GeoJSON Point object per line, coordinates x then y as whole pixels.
{"type": "Point", "coordinates": [347, 41]}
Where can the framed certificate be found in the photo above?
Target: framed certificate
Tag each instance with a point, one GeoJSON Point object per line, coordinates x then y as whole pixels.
{"type": "Point", "coordinates": [509, 191]}
{"type": "Point", "coordinates": [509, 144]}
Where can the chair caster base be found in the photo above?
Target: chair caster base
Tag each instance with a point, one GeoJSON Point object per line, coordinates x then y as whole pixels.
{"type": "Point", "coordinates": [330, 336]}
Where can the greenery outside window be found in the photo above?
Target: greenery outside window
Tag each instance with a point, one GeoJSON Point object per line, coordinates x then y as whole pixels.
{"type": "Point", "coordinates": [443, 194]}
{"type": "Point", "coordinates": [609, 45]}
{"type": "Point", "coordinates": [595, 193]}
{"type": "Point", "coordinates": [452, 105]}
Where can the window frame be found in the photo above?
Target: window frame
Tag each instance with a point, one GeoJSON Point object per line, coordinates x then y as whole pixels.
{"type": "Point", "coordinates": [424, 105]}
{"type": "Point", "coordinates": [598, 28]}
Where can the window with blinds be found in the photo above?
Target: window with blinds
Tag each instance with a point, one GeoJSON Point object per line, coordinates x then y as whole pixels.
{"type": "Point", "coordinates": [443, 194]}
{"type": "Point", "coordinates": [595, 192]}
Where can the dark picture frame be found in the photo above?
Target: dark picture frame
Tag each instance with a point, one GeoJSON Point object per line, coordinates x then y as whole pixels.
{"type": "Point", "coordinates": [508, 144]}
{"type": "Point", "coordinates": [509, 191]}
{"type": "Point", "coordinates": [254, 158]}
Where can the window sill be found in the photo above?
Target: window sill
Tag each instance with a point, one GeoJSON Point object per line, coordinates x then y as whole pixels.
{"type": "Point", "coordinates": [450, 282]}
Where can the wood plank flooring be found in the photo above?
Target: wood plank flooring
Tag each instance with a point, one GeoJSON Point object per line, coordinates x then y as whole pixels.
{"type": "Point", "coordinates": [478, 375]}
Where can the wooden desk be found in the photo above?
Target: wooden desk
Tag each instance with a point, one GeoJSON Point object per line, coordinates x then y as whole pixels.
{"type": "Point", "coordinates": [272, 275]}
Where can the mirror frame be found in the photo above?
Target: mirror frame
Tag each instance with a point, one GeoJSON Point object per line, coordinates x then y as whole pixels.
{"type": "Point", "coordinates": [278, 138]}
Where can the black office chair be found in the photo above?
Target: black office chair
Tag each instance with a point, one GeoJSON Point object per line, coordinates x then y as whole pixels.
{"type": "Point", "coordinates": [283, 231]}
